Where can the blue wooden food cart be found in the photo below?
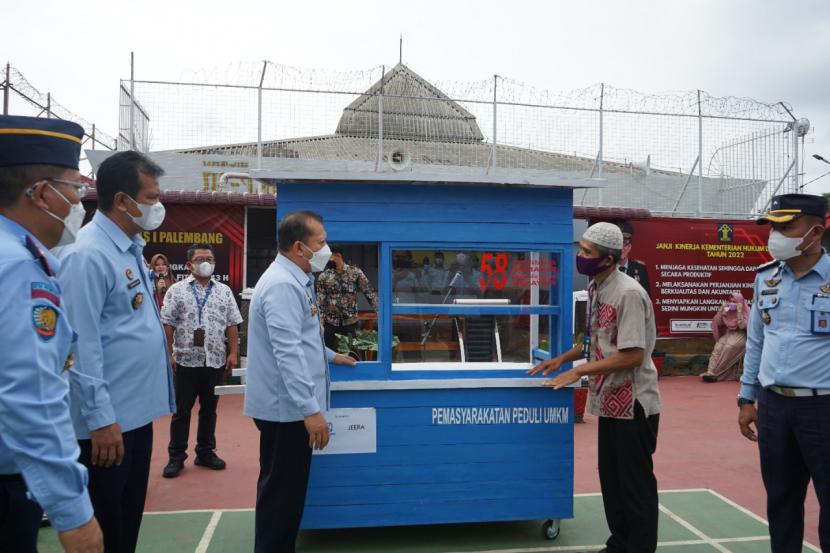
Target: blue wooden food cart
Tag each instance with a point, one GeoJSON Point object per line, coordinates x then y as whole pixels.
{"type": "Point", "coordinates": [457, 430]}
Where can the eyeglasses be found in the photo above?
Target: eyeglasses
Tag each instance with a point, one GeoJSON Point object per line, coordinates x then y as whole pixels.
{"type": "Point", "coordinates": [203, 260]}
{"type": "Point", "coordinates": [81, 188]}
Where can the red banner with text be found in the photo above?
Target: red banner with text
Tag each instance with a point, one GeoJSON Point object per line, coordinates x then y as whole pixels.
{"type": "Point", "coordinates": [691, 266]}
{"type": "Point", "coordinates": [223, 227]}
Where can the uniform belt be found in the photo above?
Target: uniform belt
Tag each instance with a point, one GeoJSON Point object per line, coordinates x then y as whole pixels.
{"type": "Point", "coordinates": [799, 392]}
{"type": "Point", "coordinates": [11, 478]}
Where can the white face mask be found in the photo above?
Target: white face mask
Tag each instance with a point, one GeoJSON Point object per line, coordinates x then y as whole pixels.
{"type": "Point", "coordinates": [151, 215]}
{"type": "Point", "coordinates": [320, 258]}
{"type": "Point", "coordinates": [204, 269]}
{"type": "Point", "coordinates": [783, 247]}
{"type": "Point", "coordinates": [71, 223]}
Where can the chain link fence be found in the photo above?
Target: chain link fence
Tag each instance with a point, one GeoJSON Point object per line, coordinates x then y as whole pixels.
{"type": "Point", "coordinates": [683, 153]}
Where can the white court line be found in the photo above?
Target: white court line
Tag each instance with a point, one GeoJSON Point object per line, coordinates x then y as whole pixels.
{"type": "Point", "coordinates": [688, 526]}
{"type": "Point", "coordinates": [204, 543]}
{"type": "Point", "coordinates": [188, 511]}
{"type": "Point", "coordinates": [564, 548]}
{"type": "Point", "coordinates": [192, 511]}
{"type": "Point", "coordinates": [750, 514]}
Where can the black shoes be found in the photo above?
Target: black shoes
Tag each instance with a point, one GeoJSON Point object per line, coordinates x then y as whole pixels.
{"type": "Point", "coordinates": [210, 460]}
{"type": "Point", "coordinates": [173, 469]}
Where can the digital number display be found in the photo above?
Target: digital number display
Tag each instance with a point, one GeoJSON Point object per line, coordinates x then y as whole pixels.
{"type": "Point", "coordinates": [499, 270]}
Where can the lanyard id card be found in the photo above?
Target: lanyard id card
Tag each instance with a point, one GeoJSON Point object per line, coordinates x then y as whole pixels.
{"type": "Point", "coordinates": [820, 323]}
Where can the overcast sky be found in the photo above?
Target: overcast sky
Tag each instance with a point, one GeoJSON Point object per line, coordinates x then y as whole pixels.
{"type": "Point", "coordinates": [769, 50]}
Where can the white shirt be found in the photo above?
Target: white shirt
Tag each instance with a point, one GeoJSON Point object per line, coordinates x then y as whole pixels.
{"type": "Point", "coordinates": [181, 311]}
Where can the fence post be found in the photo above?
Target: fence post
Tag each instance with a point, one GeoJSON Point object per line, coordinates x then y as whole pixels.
{"type": "Point", "coordinates": [259, 117]}
{"type": "Point", "coordinates": [93, 136]}
{"type": "Point", "coordinates": [795, 133]}
{"type": "Point", "coordinates": [48, 105]}
{"type": "Point", "coordinates": [132, 100]}
{"type": "Point", "coordinates": [380, 118]}
{"type": "Point", "coordinates": [6, 88]}
{"type": "Point", "coordinates": [700, 156]}
{"type": "Point", "coordinates": [601, 135]}
{"type": "Point", "coordinates": [495, 123]}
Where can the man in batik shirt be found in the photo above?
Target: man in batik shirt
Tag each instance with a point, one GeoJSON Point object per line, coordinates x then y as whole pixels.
{"type": "Point", "coordinates": [337, 289]}
{"type": "Point", "coordinates": [623, 389]}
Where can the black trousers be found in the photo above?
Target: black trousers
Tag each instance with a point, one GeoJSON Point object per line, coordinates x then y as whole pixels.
{"type": "Point", "coordinates": [118, 492]}
{"type": "Point", "coordinates": [330, 330]}
{"type": "Point", "coordinates": [190, 383]}
{"type": "Point", "coordinates": [19, 516]}
{"type": "Point", "coordinates": [284, 464]}
{"type": "Point", "coordinates": [626, 476]}
{"type": "Point", "coordinates": [794, 442]}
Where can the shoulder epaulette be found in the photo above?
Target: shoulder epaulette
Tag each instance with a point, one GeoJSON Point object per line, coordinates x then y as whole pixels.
{"type": "Point", "coordinates": [38, 254]}
{"type": "Point", "coordinates": [766, 266]}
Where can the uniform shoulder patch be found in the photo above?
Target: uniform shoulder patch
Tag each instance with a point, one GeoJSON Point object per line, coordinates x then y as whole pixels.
{"type": "Point", "coordinates": [46, 291]}
{"type": "Point", "coordinates": [766, 266]}
{"type": "Point", "coordinates": [45, 319]}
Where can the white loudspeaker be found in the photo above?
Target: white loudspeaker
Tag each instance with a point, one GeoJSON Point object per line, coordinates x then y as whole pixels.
{"type": "Point", "coordinates": [399, 159]}
{"type": "Point", "coordinates": [644, 167]}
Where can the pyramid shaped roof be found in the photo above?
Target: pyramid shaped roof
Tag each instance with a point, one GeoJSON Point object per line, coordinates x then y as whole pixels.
{"type": "Point", "coordinates": [413, 109]}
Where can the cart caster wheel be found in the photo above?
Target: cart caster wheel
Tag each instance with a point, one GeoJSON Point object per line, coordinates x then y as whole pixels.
{"type": "Point", "coordinates": [550, 529]}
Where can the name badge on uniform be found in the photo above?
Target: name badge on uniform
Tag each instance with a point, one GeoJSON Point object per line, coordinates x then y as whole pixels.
{"type": "Point", "coordinates": [820, 311]}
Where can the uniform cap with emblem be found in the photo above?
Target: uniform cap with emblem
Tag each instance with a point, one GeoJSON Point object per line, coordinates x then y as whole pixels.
{"type": "Point", "coordinates": [607, 235]}
{"type": "Point", "coordinates": [786, 207]}
{"type": "Point", "coordinates": [39, 141]}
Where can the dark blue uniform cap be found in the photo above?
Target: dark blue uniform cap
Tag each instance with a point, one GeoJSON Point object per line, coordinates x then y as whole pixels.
{"type": "Point", "coordinates": [39, 141]}
{"type": "Point", "coordinates": [786, 207]}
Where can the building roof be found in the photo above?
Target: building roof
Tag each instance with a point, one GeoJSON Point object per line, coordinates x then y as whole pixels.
{"type": "Point", "coordinates": [413, 109]}
{"type": "Point", "coordinates": [270, 201]}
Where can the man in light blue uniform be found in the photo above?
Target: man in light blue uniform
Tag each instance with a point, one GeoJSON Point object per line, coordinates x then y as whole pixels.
{"type": "Point", "coordinates": [787, 368]}
{"type": "Point", "coordinates": [39, 208]}
{"type": "Point", "coordinates": [288, 381]}
{"type": "Point", "coordinates": [122, 379]}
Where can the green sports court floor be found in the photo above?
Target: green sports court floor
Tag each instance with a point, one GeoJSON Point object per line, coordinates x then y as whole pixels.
{"type": "Point", "coordinates": [691, 521]}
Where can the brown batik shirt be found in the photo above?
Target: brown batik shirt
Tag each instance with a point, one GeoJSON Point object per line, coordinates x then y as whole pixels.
{"type": "Point", "coordinates": [337, 295]}
{"type": "Point", "coordinates": [622, 317]}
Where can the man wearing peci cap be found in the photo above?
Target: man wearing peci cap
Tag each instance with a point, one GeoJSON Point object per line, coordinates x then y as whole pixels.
{"type": "Point", "coordinates": [40, 208]}
{"type": "Point", "coordinates": [786, 369]}
{"type": "Point", "coordinates": [619, 339]}
{"type": "Point", "coordinates": [122, 379]}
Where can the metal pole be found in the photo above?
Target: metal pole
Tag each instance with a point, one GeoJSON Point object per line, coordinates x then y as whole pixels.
{"type": "Point", "coordinates": [495, 123]}
{"type": "Point", "coordinates": [795, 157]}
{"type": "Point", "coordinates": [245, 248]}
{"type": "Point", "coordinates": [699, 156]}
{"type": "Point", "coordinates": [259, 117]}
{"type": "Point", "coordinates": [93, 136]}
{"type": "Point", "coordinates": [48, 105]}
{"type": "Point", "coordinates": [599, 155]}
{"type": "Point", "coordinates": [6, 90]}
{"type": "Point", "coordinates": [132, 100]}
{"type": "Point", "coordinates": [380, 118]}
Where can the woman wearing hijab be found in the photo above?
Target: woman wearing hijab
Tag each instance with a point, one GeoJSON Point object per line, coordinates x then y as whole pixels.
{"type": "Point", "coordinates": [729, 330]}
{"type": "Point", "coordinates": [164, 276]}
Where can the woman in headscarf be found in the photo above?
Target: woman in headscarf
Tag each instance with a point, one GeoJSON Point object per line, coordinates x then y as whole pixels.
{"type": "Point", "coordinates": [164, 276]}
{"type": "Point", "coordinates": [729, 330]}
